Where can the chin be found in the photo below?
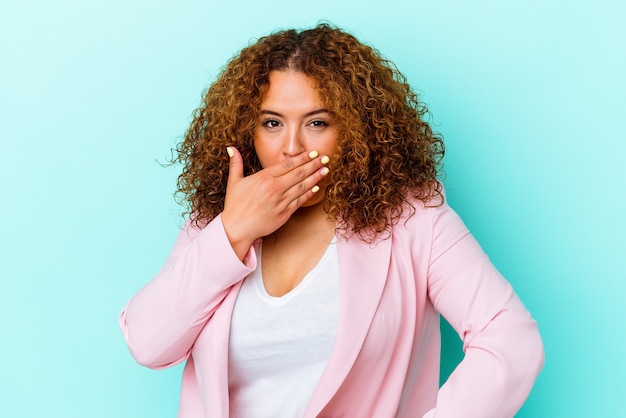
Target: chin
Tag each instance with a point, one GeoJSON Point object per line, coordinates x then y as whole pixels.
{"type": "Point", "coordinates": [315, 200]}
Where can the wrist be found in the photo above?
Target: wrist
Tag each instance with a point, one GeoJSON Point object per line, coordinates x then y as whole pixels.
{"type": "Point", "coordinates": [238, 239]}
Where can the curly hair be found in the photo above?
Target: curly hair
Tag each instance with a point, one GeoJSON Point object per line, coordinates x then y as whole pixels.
{"type": "Point", "coordinates": [388, 155]}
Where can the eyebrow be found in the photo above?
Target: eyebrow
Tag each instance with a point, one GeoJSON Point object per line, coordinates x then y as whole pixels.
{"type": "Point", "coordinates": [314, 112]}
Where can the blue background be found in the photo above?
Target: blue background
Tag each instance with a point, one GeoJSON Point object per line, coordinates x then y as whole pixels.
{"type": "Point", "coordinates": [529, 97]}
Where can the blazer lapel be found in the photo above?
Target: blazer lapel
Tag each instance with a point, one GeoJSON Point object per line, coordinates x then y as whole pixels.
{"type": "Point", "coordinates": [363, 272]}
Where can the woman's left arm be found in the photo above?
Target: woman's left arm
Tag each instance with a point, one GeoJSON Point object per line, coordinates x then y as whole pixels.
{"type": "Point", "coordinates": [503, 348]}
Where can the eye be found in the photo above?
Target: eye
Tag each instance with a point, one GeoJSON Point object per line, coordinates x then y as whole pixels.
{"type": "Point", "coordinates": [271, 123]}
{"type": "Point", "coordinates": [318, 123]}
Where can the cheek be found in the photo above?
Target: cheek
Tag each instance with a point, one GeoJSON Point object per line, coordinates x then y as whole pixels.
{"type": "Point", "coordinates": [330, 144]}
{"type": "Point", "coordinates": [267, 152]}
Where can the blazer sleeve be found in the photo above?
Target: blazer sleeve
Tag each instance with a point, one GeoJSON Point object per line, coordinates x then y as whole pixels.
{"type": "Point", "coordinates": [502, 346]}
{"type": "Point", "coordinates": [162, 321]}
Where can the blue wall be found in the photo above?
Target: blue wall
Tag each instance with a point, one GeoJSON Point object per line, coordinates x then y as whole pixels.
{"type": "Point", "coordinates": [530, 99]}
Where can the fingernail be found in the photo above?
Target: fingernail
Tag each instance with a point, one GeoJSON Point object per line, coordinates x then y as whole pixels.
{"type": "Point", "coordinates": [230, 152]}
{"type": "Point", "coordinates": [325, 159]}
{"type": "Point", "coordinates": [325, 171]}
{"type": "Point", "coordinates": [315, 189]}
{"type": "Point", "coordinates": [313, 154]}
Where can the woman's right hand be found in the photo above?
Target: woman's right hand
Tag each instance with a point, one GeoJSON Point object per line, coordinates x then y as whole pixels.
{"type": "Point", "coordinates": [259, 204]}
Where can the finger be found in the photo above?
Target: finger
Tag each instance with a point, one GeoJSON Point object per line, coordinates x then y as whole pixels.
{"type": "Point", "coordinates": [301, 176]}
{"type": "Point", "coordinates": [306, 188]}
{"type": "Point", "coordinates": [292, 163]}
{"type": "Point", "coordinates": [302, 198]}
{"type": "Point", "coordinates": [235, 167]}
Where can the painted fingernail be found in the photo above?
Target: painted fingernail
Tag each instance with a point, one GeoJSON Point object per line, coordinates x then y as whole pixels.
{"type": "Point", "coordinates": [315, 189]}
{"type": "Point", "coordinates": [313, 154]}
{"type": "Point", "coordinates": [325, 159]}
{"type": "Point", "coordinates": [230, 152]}
{"type": "Point", "coordinates": [325, 171]}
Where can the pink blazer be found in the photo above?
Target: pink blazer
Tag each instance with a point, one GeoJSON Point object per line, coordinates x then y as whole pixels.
{"type": "Point", "coordinates": [385, 362]}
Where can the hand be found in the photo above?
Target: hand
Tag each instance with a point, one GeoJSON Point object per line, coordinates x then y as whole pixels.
{"type": "Point", "coordinates": [259, 204]}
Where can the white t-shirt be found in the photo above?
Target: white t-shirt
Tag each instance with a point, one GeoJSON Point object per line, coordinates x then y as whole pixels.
{"type": "Point", "coordinates": [279, 346]}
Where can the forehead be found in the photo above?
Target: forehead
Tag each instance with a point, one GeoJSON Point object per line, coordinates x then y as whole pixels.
{"type": "Point", "coordinates": [290, 86]}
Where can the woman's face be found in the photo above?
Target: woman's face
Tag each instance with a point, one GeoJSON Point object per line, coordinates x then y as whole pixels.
{"type": "Point", "coordinates": [293, 119]}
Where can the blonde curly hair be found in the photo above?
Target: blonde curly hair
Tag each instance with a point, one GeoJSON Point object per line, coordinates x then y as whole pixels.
{"type": "Point", "coordinates": [388, 155]}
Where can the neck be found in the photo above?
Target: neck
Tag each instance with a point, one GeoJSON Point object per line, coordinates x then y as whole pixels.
{"type": "Point", "coordinates": [307, 221]}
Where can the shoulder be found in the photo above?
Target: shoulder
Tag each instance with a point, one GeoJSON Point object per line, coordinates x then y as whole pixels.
{"type": "Point", "coordinates": [432, 220]}
{"type": "Point", "coordinates": [420, 212]}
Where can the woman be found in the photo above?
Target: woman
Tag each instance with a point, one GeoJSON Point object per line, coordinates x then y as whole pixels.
{"type": "Point", "coordinates": [319, 252]}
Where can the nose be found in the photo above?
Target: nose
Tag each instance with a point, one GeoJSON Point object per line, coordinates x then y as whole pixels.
{"type": "Point", "coordinates": [294, 142]}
